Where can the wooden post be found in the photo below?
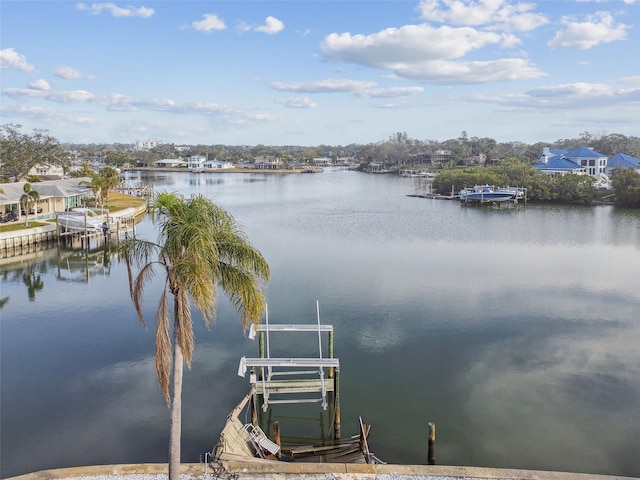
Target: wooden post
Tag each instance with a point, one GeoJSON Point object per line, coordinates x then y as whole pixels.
{"type": "Point", "coordinates": [336, 419]}
{"type": "Point", "coordinates": [431, 456]}
{"type": "Point", "coordinates": [261, 344]}
{"type": "Point", "coordinates": [331, 369]}
{"type": "Point", "coordinates": [260, 375]}
{"type": "Point", "coordinates": [254, 409]}
{"type": "Point", "coordinates": [276, 437]}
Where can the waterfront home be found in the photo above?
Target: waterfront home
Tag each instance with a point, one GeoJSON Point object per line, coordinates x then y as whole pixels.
{"type": "Point", "coordinates": [322, 161]}
{"type": "Point", "coordinates": [196, 162]}
{"type": "Point", "coordinates": [268, 163]}
{"type": "Point", "coordinates": [170, 163]}
{"type": "Point", "coordinates": [620, 160]}
{"type": "Point", "coordinates": [581, 161]}
{"type": "Point", "coordinates": [217, 164]}
{"type": "Point", "coordinates": [55, 196]}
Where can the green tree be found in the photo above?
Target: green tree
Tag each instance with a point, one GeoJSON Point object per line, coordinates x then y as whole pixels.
{"type": "Point", "coordinates": [573, 188]}
{"type": "Point", "coordinates": [626, 184]}
{"type": "Point", "coordinates": [28, 198]}
{"type": "Point", "coordinates": [20, 152]}
{"type": "Point", "coordinates": [111, 179]}
{"type": "Point", "coordinates": [97, 186]}
{"type": "Point", "coordinates": [84, 171]}
{"type": "Point", "coordinates": [200, 249]}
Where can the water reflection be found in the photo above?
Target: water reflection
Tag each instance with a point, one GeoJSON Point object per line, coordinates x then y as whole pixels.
{"type": "Point", "coordinates": [515, 331]}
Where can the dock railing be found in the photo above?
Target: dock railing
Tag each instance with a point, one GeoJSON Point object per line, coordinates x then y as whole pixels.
{"type": "Point", "coordinates": [302, 375]}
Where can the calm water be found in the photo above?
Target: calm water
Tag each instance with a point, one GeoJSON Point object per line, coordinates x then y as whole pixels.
{"type": "Point", "coordinates": [515, 331]}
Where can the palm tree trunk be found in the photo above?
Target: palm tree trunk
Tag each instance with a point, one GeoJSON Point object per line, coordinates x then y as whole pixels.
{"type": "Point", "coordinates": [176, 408]}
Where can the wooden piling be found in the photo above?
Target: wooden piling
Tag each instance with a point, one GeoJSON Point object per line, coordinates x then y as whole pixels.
{"type": "Point", "coordinates": [336, 420]}
{"type": "Point", "coordinates": [431, 455]}
{"type": "Point", "coordinates": [276, 437]}
{"type": "Point", "coordinates": [331, 369]}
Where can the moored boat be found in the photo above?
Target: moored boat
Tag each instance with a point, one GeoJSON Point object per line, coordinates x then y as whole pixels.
{"type": "Point", "coordinates": [489, 193]}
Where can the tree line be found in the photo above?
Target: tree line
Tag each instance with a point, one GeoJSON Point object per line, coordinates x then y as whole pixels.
{"type": "Point", "coordinates": [572, 188]}
{"type": "Point", "coordinates": [508, 163]}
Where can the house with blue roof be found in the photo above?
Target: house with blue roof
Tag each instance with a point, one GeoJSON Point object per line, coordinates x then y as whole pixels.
{"type": "Point", "coordinates": [621, 160]}
{"type": "Point", "coordinates": [594, 162]}
{"type": "Point", "coordinates": [554, 162]}
{"type": "Point", "coordinates": [581, 161]}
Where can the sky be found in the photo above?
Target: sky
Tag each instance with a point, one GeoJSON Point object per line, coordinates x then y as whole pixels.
{"type": "Point", "coordinates": [331, 72]}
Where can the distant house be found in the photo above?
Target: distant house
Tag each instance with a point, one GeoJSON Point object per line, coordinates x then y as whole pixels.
{"type": "Point", "coordinates": [323, 161]}
{"type": "Point", "coordinates": [46, 171]}
{"type": "Point", "coordinates": [557, 162]}
{"type": "Point", "coordinates": [480, 159]}
{"type": "Point", "coordinates": [620, 160]}
{"type": "Point", "coordinates": [595, 163]}
{"type": "Point", "coordinates": [196, 162]}
{"type": "Point", "coordinates": [170, 162]}
{"type": "Point", "coordinates": [345, 161]}
{"type": "Point", "coordinates": [268, 163]}
{"type": "Point", "coordinates": [440, 157]}
{"type": "Point", "coordinates": [217, 164]}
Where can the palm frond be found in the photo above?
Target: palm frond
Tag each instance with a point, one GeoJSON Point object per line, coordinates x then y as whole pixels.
{"type": "Point", "coordinates": [163, 345]}
{"type": "Point", "coordinates": [245, 294]}
{"type": "Point", "coordinates": [145, 275]}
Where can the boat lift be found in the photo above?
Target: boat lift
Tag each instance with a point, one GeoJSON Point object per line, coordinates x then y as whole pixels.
{"type": "Point", "coordinates": [303, 375]}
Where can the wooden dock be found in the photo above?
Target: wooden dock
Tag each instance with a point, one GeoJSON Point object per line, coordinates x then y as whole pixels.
{"type": "Point", "coordinates": [291, 380]}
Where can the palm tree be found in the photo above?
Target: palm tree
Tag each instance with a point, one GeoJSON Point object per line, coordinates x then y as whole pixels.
{"type": "Point", "coordinates": [97, 186]}
{"type": "Point", "coordinates": [111, 179]}
{"type": "Point", "coordinates": [28, 197]}
{"type": "Point", "coordinates": [200, 248]}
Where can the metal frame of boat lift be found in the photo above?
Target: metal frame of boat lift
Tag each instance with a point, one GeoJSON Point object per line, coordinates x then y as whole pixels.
{"type": "Point", "coordinates": [266, 385]}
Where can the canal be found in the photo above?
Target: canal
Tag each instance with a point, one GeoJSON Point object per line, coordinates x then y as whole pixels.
{"type": "Point", "coordinates": [515, 331]}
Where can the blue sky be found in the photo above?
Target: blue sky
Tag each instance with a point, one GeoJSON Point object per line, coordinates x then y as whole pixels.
{"type": "Point", "coordinates": [320, 72]}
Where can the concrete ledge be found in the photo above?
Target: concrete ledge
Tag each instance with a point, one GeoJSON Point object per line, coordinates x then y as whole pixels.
{"type": "Point", "coordinates": [337, 471]}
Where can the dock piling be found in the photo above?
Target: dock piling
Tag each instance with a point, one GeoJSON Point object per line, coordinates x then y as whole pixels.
{"type": "Point", "coordinates": [431, 455]}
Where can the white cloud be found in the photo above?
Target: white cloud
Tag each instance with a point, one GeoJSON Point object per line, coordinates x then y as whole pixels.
{"type": "Point", "coordinates": [407, 44]}
{"type": "Point", "coordinates": [70, 73]}
{"type": "Point", "coordinates": [271, 26]}
{"type": "Point", "coordinates": [40, 84]}
{"type": "Point", "coordinates": [596, 29]}
{"type": "Point", "coordinates": [64, 96]}
{"type": "Point", "coordinates": [422, 52]}
{"type": "Point", "coordinates": [570, 96]}
{"type": "Point", "coordinates": [297, 102]}
{"type": "Point", "coordinates": [357, 88]}
{"type": "Point", "coordinates": [443, 72]}
{"type": "Point", "coordinates": [393, 92]}
{"type": "Point", "coordinates": [324, 86]}
{"type": "Point", "coordinates": [491, 13]}
{"type": "Point", "coordinates": [208, 23]}
{"type": "Point", "coordinates": [118, 102]}
{"type": "Point", "coordinates": [9, 58]}
{"type": "Point", "coordinates": [115, 10]}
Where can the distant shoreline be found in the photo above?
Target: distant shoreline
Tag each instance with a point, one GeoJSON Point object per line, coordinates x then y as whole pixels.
{"type": "Point", "coordinates": [280, 171]}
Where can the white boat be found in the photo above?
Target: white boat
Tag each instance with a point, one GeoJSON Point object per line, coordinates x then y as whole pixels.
{"type": "Point", "coordinates": [81, 219]}
{"type": "Point", "coordinates": [489, 193]}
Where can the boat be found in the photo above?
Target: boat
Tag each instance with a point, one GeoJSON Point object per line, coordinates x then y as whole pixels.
{"type": "Point", "coordinates": [489, 193]}
{"type": "Point", "coordinates": [82, 218]}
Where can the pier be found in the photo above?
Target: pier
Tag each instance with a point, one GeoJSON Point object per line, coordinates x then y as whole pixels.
{"type": "Point", "coordinates": [26, 240]}
{"type": "Point", "coordinates": [293, 380]}
{"type": "Point", "coordinates": [290, 380]}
